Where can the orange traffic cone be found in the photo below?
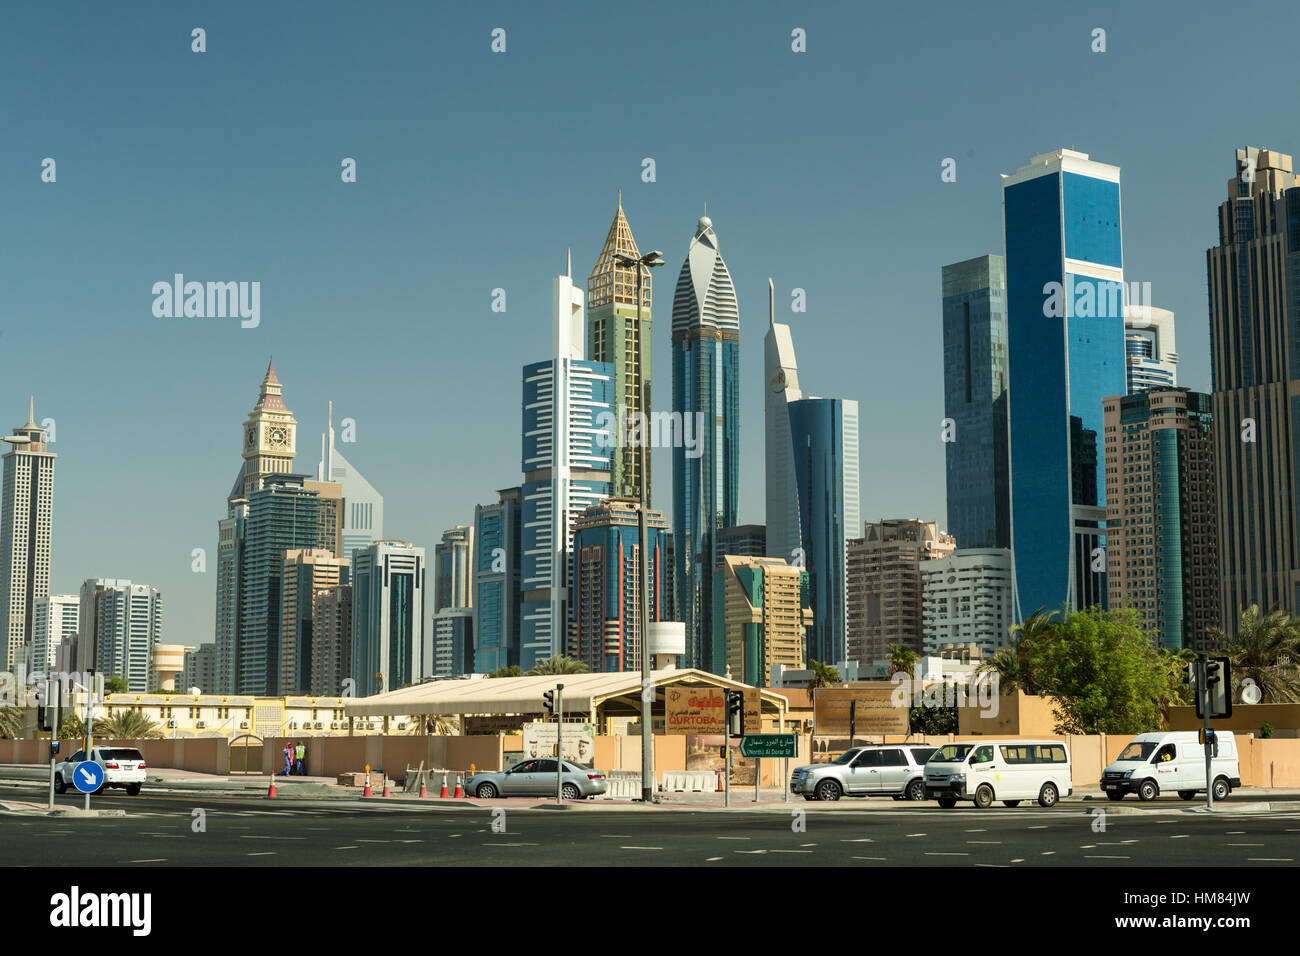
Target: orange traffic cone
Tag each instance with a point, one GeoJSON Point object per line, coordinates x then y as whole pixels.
{"type": "Point", "coordinates": [366, 792]}
{"type": "Point", "coordinates": [387, 792]}
{"type": "Point", "coordinates": [460, 792]}
{"type": "Point", "coordinates": [443, 795]}
{"type": "Point", "coordinates": [270, 793]}
{"type": "Point", "coordinates": [423, 792]}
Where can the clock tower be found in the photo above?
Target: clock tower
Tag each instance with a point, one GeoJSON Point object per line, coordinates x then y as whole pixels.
{"type": "Point", "coordinates": [270, 435]}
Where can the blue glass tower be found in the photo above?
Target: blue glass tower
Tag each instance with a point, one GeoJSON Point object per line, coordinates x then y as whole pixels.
{"type": "Point", "coordinates": [977, 453]}
{"type": "Point", "coordinates": [496, 582]}
{"type": "Point", "coordinates": [824, 439]}
{"type": "Point", "coordinates": [706, 394]}
{"type": "Point", "coordinates": [1065, 320]}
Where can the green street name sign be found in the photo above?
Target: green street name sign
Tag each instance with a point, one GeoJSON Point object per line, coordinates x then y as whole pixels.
{"type": "Point", "coordinates": [768, 745]}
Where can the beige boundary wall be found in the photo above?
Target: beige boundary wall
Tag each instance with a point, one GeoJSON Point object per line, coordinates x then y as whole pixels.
{"type": "Point", "coordinates": [1274, 762]}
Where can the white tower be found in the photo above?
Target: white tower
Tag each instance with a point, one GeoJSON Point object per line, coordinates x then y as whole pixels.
{"type": "Point", "coordinates": [26, 524]}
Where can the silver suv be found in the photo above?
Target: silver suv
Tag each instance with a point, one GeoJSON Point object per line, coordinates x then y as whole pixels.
{"type": "Point", "coordinates": [882, 770]}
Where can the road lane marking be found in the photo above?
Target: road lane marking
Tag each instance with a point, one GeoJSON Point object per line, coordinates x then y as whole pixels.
{"type": "Point", "coordinates": [999, 865]}
{"type": "Point", "coordinates": [1091, 856]}
{"type": "Point", "coordinates": [250, 836]}
{"type": "Point", "coordinates": [347, 848]}
{"type": "Point", "coordinates": [160, 860]}
{"type": "Point", "coordinates": [879, 859]}
{"type": "Point", "coordinates": [264, 853]}
{"type": "Point", "coordinates": [1243, 844]}
{"type": "Point", "coordinates": [734, 838]}
{"type": "Point", "coordinates": [1180, 836]}
{"type": "Point", "coordinates": [984, 842]}
{"type": "Point", "coordinates": [1041, 826]}
{"type": "Point", "coordinates": [1270, 859]}
{"type": "Point", "coordinates": [977, 831]}
{"type": "Point", "coordinates": [640, 848]}
{"type": "Point", "coordinates": [1048, 853]}
{"type": "Point", "coordinates": [945, 853]}
{"type": "Point", "coordinates": [1019, 860]}
{"type": "Point", "coordinates": [713, 859]}
{"type": "Point", "coordinates": [859, 840]}
{"type": "Point", "coordinates": [915, 834]}
{"type": "Point", "coordinates": [792, 851]}
{"type": "Point", "coordinates": [507, 844]}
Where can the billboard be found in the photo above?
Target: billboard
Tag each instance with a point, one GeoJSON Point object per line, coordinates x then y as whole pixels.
{"type": "Point", "coordinates": [579, 742]}
{"type": "Point", "coordinates": [753, 710]}
{"type": "Point", "coordinates": [695, 710]}
{"type": "Point", "coordinates": [876, 711]}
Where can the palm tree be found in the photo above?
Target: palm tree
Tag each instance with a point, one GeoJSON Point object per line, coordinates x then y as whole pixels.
{"type": "Point", "coordinates": [127, 725]}
{"type": "Point", "coordinates": [11, 722]}
{"type": "Point", "coordinates": [514, 670]}
{"type": "Point", "coordinates": [1265, 649]}
{"type": "Point", "coordinates": [558, 665]}
{"type": "Point", "coordinates": [437, 725]}
{"type": "Point", "coordinates": [824, 675]}
{"type": "Point", "coordinates": [902, 659]}
{"type": "Point", "coordinates": [71, 726]}
{"type": "Point", "coordinates": [1012, 664]}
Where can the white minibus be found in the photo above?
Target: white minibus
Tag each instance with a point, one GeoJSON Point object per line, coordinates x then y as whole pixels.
{"type": "Point", "coordinates": [1006, 770]}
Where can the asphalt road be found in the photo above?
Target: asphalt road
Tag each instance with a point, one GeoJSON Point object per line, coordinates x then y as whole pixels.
{"type": "Point", "coordinates": [160, 830]}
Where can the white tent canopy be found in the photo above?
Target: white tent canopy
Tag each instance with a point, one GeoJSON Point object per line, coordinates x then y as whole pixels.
{"type": "Point", "coordinates": [583, 693]}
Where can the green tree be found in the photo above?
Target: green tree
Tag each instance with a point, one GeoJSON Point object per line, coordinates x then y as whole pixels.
{"type": "Point", "coordinates": [1265, 649]}
{"type": "Point", "coordinates": [436, 724]}
{"type": "Point", "coordinates": [902, 659]}
{"type": "Point", "coordinates": [71, 726]}
{"type": "Point", "coordinates": [1104, 675]}
{"type": "Point", "coordinates": [557, 665]}
{"type": "Point", "coordinates": [116, 685]}
{"type": "Point", "coordinates": [1016, 665]}
{"type": "Point", "coordinates": [932, 720]}
{"type": "Point", "coordinates": [514, 670]}
{"type": "Point", "coordinates": [824, 675]}
{"type": "Point", "coordinates": [126, 725]}
{"type": "Point", "coordinates": [11, 722]}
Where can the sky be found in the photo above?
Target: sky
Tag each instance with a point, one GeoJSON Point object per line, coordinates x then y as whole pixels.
{"type": "Point", "coordinates": [478, 170]}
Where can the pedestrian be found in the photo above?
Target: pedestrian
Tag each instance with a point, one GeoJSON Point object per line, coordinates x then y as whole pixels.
{"type": "Point", "coordinates": [300, 756]}
{"type": "Point", "coordinates": [288, 760]}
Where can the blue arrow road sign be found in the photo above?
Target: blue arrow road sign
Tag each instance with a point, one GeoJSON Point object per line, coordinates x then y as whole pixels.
{"type": "Point", "coordinates": [88, 777]}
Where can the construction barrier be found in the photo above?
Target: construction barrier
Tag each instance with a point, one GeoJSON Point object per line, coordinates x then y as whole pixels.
{"type": "Point", "coordinates": [622, 785]}
{"type": "Point", "coordinates": [694, 781]}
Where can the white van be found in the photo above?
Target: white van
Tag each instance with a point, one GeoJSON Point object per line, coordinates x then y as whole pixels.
{"type": "Point", "coordinates": [1006, 770]}
{"type": "Point", "coordinates": [1172, 761]}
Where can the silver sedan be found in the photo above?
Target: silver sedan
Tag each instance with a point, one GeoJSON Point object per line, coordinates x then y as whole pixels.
{"type": "Point", "coordinates": [536, 778]}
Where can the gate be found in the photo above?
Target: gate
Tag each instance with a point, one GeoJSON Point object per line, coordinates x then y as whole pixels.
{"type": "Point", "coordinates": [246, 754]}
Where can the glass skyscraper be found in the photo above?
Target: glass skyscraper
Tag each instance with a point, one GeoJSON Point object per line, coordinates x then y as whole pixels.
{"type": "Point", "coordinates": [1065, 323]}
{"type": "Point", "coordinates": [496, 582]}
{"type": "Point", "coordinates": [388, 580]}
{"type": "Point", "coordinates": [567, 463]}
{"type": "Point", "coordinates": [977, 453]}
{"type": "Point", "coordinates": [824, 438]}
{"type": "Point", "coordinates": [780, 387]}
{"type": "Point", "coordinates": [706, 383]}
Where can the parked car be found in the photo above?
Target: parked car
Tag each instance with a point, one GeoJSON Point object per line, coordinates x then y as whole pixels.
{"type": "Point", "coordinates": [889, 770]}
{"type": "Point", "coordinates": [123, 767]}
{"type": "Point", "coordinates": [1006, 770]}
{"type": "Point", "coordinates": [1172, 761]}
{"type": "Point", "coordinates": [536, 778]}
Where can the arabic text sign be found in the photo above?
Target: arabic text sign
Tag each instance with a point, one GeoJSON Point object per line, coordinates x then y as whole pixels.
{"type": "Point", "coordinates": [579, 742]}
{"type": "Point", "coordinates": [753, 710]}
{"type": "Point", "coordinates": [768, 745]}
{"type": "Point", "coordinates": [695, 710]}
{"type": "Point", "coordinates": [876, 713]}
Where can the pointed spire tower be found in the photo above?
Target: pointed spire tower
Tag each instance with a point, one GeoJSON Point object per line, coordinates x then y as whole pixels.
{"type": "Point", "coordinates": [270, 436]}
{"type": "Point", "coordinates": [615, 336]}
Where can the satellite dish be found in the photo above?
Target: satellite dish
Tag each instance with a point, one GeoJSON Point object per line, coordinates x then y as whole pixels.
{"type": "Point", "coordinates": [194, 692]}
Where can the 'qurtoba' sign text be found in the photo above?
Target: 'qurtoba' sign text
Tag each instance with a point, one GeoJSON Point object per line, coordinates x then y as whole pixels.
{"type": "Point", "coordinates": [695, 710]}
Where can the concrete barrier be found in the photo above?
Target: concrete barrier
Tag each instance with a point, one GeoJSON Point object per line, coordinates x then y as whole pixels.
{"type": "Point", "coordinates": [622, 785]}
{"type": "Point", "coordinates": [693, 781]}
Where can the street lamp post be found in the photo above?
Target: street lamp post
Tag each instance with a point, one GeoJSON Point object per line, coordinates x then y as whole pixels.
{"type": "Point", "coordinates": [648, 261]}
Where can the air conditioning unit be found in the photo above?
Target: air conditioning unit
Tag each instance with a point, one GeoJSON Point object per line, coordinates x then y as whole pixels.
{"type": "Point", "coordinates": [200, 724]}
{"type": "Point", "coordinates": [243, 725]}
{"type": "Point", "coordinates": [171, 723]}
{"type": "Point", "coordinates": [318, 727]}
{"type": "Point", "coordinates": [293, 725]}
{"type": "Point", "coordinates": [401, 726]}
{"type": "Point", "coordinates": [334, 725]}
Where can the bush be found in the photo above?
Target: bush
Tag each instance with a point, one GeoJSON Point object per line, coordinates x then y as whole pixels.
{"type": "Point", "coordinates": [1266, 731]}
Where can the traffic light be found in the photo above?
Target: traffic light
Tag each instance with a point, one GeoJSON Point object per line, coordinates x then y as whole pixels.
{"type": "Point", "coordinates": [48, 713]}
{"type": "Point", "coordinates": [548, 701]}
{"type": "Point", "coordinates": [735, 713]}
{"type": "Point", "coordinates": [1218, 680]}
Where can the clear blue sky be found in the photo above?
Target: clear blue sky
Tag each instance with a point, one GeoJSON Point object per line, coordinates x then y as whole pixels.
{"type": "Point", "coordinates": [477, 171]}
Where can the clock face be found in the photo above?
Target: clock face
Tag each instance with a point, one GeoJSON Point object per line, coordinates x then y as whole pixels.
{"type": "Point", "coordinates": [276, 435]}
{"type": "Point", "coordinates": [252, 437]}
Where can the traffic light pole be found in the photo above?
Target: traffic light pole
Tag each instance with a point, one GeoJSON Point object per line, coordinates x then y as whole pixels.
{"type": "Point", "coordinates": [559, 744]}
{"type": "Point", "coordinates": [1203, 690]}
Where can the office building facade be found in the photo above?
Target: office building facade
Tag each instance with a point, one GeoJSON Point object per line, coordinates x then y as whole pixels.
{"type": "Point", "coordinates": [762, 608]}
{"type": "Point", "coordinates": [498, 534]}
{"type": "Point", "coordinates": [363, 506]}
{"type": "Point", "coordinates": [706, 488]}
{"type": "Point", "coordinates": [387, 616]}
{"type": "Point", "coordinates": [1065, 346]}
{"type": "Point", "coordinates": [1254, 281]}
{"type": "Point", "coordinates": [824, 438]}
{"type": "Point", "coordinates": [54, 632]}
{"type": "Point", "coordinates": [26, 530]}
{"type": "Point", "coordinates": [780, 388]}
{"type": "Point", "coordinates": [975, 402]}
{"type": "Point", "coordinates": [453, 642]}
{"type": "Point", "coordinates": [744, 540]}
{"type": "Point", "coordinates": [1150, 354]}
{"type": "Point", "coordinates": [453, 562]}
{"type": "Point", "coordinates": [606, 582]}
{"type": "Point", "coordinates": [967, 599]}
{"type": "Point", "coordinates": [304, 572]}
{"type": "Point", "coordinates": [1161, 534]}
{"type": "Point", "coordinates": [331, 642]}
{"type": "Point", "coordinates": [123, 623]}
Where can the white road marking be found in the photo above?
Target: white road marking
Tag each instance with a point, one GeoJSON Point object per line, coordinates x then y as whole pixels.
{"type": "Point", "coordinates": [792, 851]}
{"type": "Point", "coordinates": [1041, 826]}
{"type": "Point", "coordinates": [160, 860]}
{"type": "Point", "coordinates": [977, 831]}
{"type": "Point", "coordinates": [1048, 853]}
{"type": "Point", "coordinates": [507, 844]}
{"type": "Point", "coordinates": [639, 847]}
{"type": "Point", "coordinates": [985, 842]}
{"type": "Point", "coordinates": [1270, 859]}
{"type": "Point", "coordinates": [1243, 844]}
{"type": "Point", "coordinates": [859, 840]}
{"type": "Point", "coordinates": [347, 848]}
{"type": "Point", "coordinates": [1091, 856]}
{"type": "Point", "coordinates": [1019, 860]}
{"type": "Point", "coordinates": [877, 858]}
{"type": "Point", "coordinates": [999, 865]}
{"type": "Point", "coordinates": [915, 834]}
{"type": "Point", "coordinates": [1180, 836]}
{"type": "Point", "coordinates": [249, 836]}
{"type": "Point", "coordinates": [936, 853]}
{"type": "Point", "coordinates": [713, 859]}
{"type": "Point", "coordinates": [264, 853]}
{"type": "Point", "coordinates": [751, 851]}
{"type": "Point", "coordinates": [616, 836]}
{"type": "Point", "coordinates": [734, 838]}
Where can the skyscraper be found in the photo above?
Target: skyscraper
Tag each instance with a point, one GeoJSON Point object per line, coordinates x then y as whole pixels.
{"type": "Point", "coordinates": [606, 576]}
{"type": "Point", "coordinates": [496, 581]}
{"type": "Point", "coordinates": [363, 518]}
{"type": "Point", "coordinates": [453, 563]}
{"type": "Point", "coordinates": [614, 337]}
{"type": "Point", "coordinates": [824, 441]}
{"type": "Point", "coordinates": [977, 452]}
{"type": "Point", "coordinates": [706, 382]}
{"type": "Point", "coordinates": [269, 442]}
{"type": "Point", "coordinates": [745, 540]}
{"type": "Point", "coordinates": [26, 525]}
{"type": "Point", "coordinates": [1254, 279]}
{"type": "Point", "coordinates": [761, 609]}
{"type": "Point", "coordinates": [1150, 354]}
{"type": "Point", "coordinates": [305, 572]}
{"type": "Point", "coordinates": [780, 388]}
{"type": "Point", "coordinates": [966, 599]}
{"type": "Point", "coordinates": [331, 641]}
{"type": "Point", "coordinates": [387, 616]}
{"type": "Point", "coordinates": [453, 642]}
{"type": "Point", "coordinates": [1065, 323]}
{"type": "Point", "coordinates": [567, 458]}
{"type": "Point", "coordinates": [54, 632]}
{"type": "Point", "coordinates": [1161, 540]}
{"type": "Point", "coordinates": [122, 625]}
